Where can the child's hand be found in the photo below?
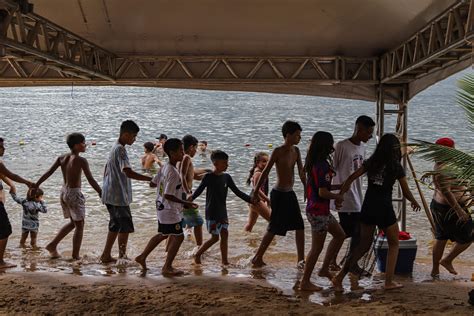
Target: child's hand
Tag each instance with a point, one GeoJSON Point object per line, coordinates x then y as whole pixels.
{"type": "Point", "coordinates": [12, 189]}
{"type": "Point", "coordinates": [100, 193]}
{"type": "Point", "coordinates": [416, 207]}
{"type": "Point", "coordinates": [339, 200]}
{"type": "Point", "coordinates": [189, 197]}
{"type": "Point", "coordinates": [190, 205]}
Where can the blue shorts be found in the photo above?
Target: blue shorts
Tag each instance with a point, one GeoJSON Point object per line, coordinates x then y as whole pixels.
{"type": "Point", "coordinates": [192, 218]}
{"type": "Point", "coordinates": [214, 227]}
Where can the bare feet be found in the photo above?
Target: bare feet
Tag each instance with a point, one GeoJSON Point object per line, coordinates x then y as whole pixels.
{"type": "Point", "coordinates": [141, 261]}
{"type": "Point", "coordinates": [53, 252]}
{"type": "Point", "coordinates": [337, 284]}
{"type": "Point", "coordinates": [171, 272]}
{"type": "Point", "coordinates": [257, 262]}
{"type": "Point", "coordinates": [392, 286]}
{"type": "Point", "coordinates": [435, 273]}
{"type": "Point", "coordinates": [308, 286]}
{"type": "Point", "coordinates": [197, 259]}
{"type": "Point", "coordinates": [248, 228]}
{"type": "Point", "coordinates": [107, 259]}
{"type": "Point", "coordinates": [448, 266]}
{"type": "Point", "coordinates": [22, 245]}
{"type": "Point", "coordinates": [326, 274]}
{"type": "Point", "coordinates": [225, 263]}
{"type": "Point", "coordinates": [334, 267]}
{"type": "Point", "coordinates": [354, 279]}
{"type": "Point", "coordinates": [6, 265]}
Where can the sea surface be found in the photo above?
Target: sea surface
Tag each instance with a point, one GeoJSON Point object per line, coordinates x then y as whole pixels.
{"type": "Point", "coordinates": [35, 122]}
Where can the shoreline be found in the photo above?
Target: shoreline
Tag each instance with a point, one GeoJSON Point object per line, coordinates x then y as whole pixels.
{"type": "Point", "coordinates": [59, 293]}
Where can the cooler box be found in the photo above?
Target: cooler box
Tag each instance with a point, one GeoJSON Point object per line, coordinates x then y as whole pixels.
{"type": "Point", "coordinates": [406, 255]}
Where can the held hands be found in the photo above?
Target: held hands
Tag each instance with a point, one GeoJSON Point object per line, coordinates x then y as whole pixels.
{"type": "Point", "coordinates": [191, 205]}
{"type": "Point", "coordinates": [339, 200]}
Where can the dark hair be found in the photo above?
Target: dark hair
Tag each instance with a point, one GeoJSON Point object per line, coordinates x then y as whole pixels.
{"type": "Point", "coordinates": [149, 146]}
{"type": "Point", "coordinates": [74, 139]}
{"type": "Point", "coordinates": [163, 136]}
{"type": "Point", "coordinates": [290, 127]}
{"type": "Point", "coordinates": [365, 121]}
{"type": "Point", "coordinates": [219, 155]}
{"type": "Point", "coordinates": [386, 154]}
{"type": "Point", "coordinates": [320, 149]}
{"type": "Point", "coordinates": [1, 140]}
{"type": "Point", "coordinates": [129, 126]}
{"type": "Point", "coordinates": [34, 193]}
{"type": "Point", "coordinates": [172, 144]}
{"type": "Point", "coordinates": [204, 142]}
{"type": "Point", "coordinates": [188, 141]}
{"type": "Point", "coordinates": [256, 159]}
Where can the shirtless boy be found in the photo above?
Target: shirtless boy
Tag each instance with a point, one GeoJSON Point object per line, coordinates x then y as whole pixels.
{"type": "Point", "coordinates": [72, 200]}
{"type": "Point", "coordinates": [149, 158]}
{"type": "Point", "coordinates": [286, 213]}
{"type": "Point", "coordinates": [188, 173]}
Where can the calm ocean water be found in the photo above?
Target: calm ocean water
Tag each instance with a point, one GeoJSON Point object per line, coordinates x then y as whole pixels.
{"type": "Point", "coordinates": [42, 117]}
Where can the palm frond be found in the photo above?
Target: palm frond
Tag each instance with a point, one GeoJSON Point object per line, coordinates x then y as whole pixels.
{"type": "Point", "coordinates": [465, 97]}
{"type": "Point", "coordinates": [456, 164]}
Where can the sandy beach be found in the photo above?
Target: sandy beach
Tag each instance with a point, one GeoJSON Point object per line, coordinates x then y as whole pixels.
{"type": "Point", "coordinates": [58, 293]}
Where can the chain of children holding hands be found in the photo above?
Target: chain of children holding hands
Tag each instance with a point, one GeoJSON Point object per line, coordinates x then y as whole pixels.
{"type": "Point", "coordinates": [344, 164]}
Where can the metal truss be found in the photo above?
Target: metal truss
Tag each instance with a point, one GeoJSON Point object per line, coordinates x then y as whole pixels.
{"type": "Point", "coordinates": [323, 70]}
{"type": "Point", "coordinates": [34, 51]}
{"type": "Point", "coordinates": [27, 38]}
{"type": "Point", "coordinates": [444, 41]}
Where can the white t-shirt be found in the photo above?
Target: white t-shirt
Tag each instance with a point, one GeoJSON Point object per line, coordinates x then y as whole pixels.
{"type": "Point", "coordinates": [347, 159]}
{"type": "Point", "coordinates": [169, 180]}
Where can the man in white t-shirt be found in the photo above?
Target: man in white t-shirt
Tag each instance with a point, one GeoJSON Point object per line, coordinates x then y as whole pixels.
{"type": "Point", "coordinates": [349, 155]}
{"type": "Point", "coordinates": [169, 208]}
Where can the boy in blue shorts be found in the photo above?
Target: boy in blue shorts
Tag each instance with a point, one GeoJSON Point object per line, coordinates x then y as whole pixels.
{"type": "Point", "coordinates": [191, 217]}
{"type": "Point", "coordinates": [217, 183]}
{"type": "Point", "coordinates": [169, 207]}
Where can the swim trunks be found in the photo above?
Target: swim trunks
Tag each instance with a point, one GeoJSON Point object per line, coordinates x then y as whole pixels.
{"type": "Point", "coordinates": [73, 203]}
{"type": "Point", "coordinates": [192, 218]}
{"type": "Point", "coordinates": [286, 213]}
{"type": "Point", "coordinates": [320, 223]}
{"type": "Point", "coordinates": [215, 227]}
{"type": "Point", "coordinates": [447, 226]}
{"type": "Point", "coordinates": [120, 219]}
{"type": "Point", "coordinates": [171, 229]}
{"type": "Point", "coordinates": [5, 227]}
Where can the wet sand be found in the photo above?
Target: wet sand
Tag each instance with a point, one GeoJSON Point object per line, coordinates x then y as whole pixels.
{"type": "Point", "coordinates": [58, 293]}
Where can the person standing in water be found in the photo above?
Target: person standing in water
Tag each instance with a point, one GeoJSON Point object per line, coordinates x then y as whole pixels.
{"type": "Point", "coordinates": [262, 207]}
{"type": "Point", "coordinates": [117, 191]}
{"type": "Point", "coordinates": [5, 227]}
{"type": "Point", "coordinates": [72, 200]}
{"type": "Point", "coordinates": [286, 213]}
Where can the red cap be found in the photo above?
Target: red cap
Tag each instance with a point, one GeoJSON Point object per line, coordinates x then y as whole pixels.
{"type": "Point", "coordinates": [445, 141]}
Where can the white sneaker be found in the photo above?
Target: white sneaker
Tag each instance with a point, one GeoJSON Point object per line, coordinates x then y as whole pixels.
{"type": "Point", "coordinates": [300, 265]}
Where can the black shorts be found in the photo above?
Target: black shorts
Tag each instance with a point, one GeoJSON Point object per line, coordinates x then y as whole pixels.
{"type": "Point", "coordinates": [286, 213]}
{"type": "Point", "coordinates": [5, 227]}
{"type": "Point", "coordinates": [447, 226]}
{"type": "Point", "coordinates": [380, 215]}
{"type": "Point", "coordinates": [171, 229]}
{"type": "Point", "coordinates": [350, 223]}
{"type": "Point", "coordinates": [120, 219]}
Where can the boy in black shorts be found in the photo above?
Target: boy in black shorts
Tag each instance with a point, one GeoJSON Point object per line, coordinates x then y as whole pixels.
{"type": "Point", "coordinates": [286, 213]}
{"type": "Point", "coordinates": [169, 206]}
{"type": "Point", "coordinates": [117, 191]}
